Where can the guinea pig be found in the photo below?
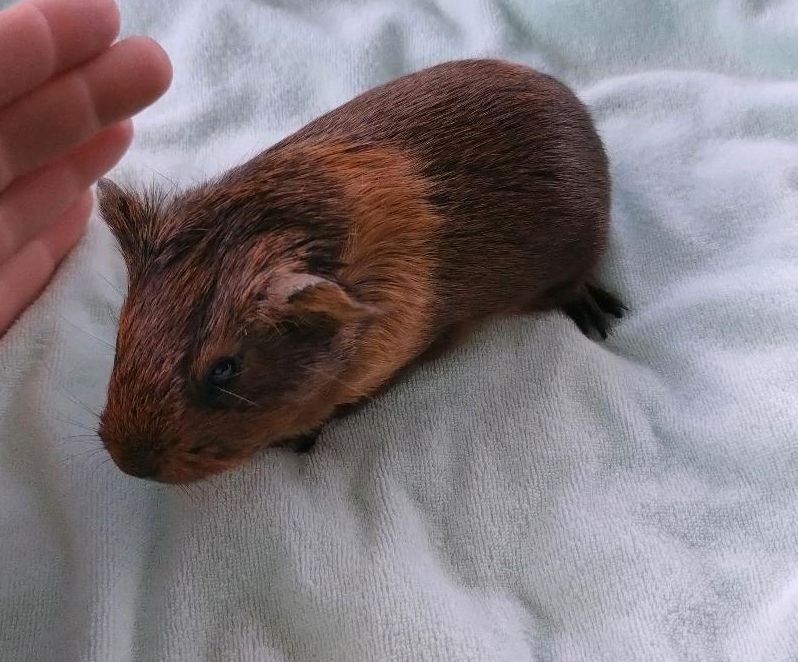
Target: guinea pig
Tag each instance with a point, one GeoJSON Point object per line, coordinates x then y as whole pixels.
{"type": "Point", "coordinates": [292, 287]}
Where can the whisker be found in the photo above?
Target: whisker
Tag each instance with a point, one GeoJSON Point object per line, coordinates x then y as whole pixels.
{"type": "Point", "coordinates": [76, 400]}
{"type": "Point", "coordinates": [69, 421]}
{"type": "Point", "coordinates": [235, 395]}
{"type": "Point", "coordinates": [83, 441]}
{"type": "Point", "coordinates": [97, 467]}
{"type": "Point", "coordinates": [186, 493]}
{"type": "Point", "coordinates": [92, 452]}
{"type": "Point", "coordinates": [85, 455]}
{"type": "Point", "coordinates": [88, 333]}
{"type": "Point", "coordinates": [110, 284]}
{"type": "Point", "coordinates": [113, 316]}
{"type": "Point", "coordinates": [160, 174]}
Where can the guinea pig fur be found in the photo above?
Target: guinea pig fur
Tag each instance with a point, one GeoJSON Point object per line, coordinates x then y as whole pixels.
{"type": "Point", "coordinates": [261, 303]}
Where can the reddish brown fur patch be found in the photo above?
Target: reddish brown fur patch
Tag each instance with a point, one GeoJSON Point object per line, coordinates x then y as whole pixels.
{"type": "Point", "coordinates": [389, 258]}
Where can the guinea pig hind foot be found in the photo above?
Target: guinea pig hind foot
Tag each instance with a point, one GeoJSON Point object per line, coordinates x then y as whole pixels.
{"type": "Point", "coordinates": [590, 308]}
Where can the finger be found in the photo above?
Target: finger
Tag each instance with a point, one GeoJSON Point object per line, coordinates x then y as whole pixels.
{"type": "Point", "coordinates": [33, 202]}
{"type": "Point", "coordinates": [69, 110]}
{"type": "Point", "coordinates": [41, 38]}
{"type": "Point", "coordinates": [26, 274]}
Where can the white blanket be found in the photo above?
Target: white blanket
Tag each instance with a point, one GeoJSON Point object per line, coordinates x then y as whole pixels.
{"type": "Point", "coordinates": [533, 496]}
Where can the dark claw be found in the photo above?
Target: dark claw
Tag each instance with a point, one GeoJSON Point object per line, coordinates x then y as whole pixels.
{"type": "Point", "coordinates": [589, 310]}
{"type": "Point", "coordinates": [606, 301]}
{"type": "Point", "coordinates": [597, 318]}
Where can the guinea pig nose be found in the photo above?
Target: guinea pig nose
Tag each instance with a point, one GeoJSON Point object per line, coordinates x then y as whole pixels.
{"type": "Point", "coordinates": [141, 463]}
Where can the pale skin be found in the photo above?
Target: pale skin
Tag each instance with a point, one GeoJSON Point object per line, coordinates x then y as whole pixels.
{"type": "Point", "coordinates": [67, 93]}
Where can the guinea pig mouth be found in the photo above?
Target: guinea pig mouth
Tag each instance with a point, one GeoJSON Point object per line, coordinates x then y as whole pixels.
{"type": "Point", "coordinates": [143, 462]}
{"type": "Point", "coordinates": [187, 470]}
{"type": "Point", "coordinates": [163, 465]}
{"type": "Point", "coordinates": [212, 449]}
{"type": "Point", "coordinates": [190, 467]}
{"type": "Point", "coordinates": [181, 474]}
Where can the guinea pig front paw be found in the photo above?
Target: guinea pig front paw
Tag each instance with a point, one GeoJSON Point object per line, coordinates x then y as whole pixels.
{"type": "Point", "coordinates": [303, 443]}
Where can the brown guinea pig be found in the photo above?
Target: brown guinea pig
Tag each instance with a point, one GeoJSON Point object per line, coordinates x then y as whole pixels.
{"type": "Point", "coordinates": [263, 302]}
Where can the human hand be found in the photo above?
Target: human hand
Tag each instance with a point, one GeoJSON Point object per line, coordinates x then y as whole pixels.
{"type": "Point", "coordinates": [66, 96]}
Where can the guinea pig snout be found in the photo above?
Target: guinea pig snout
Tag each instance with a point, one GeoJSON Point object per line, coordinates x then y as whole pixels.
{"type": "Point", "coordinates": [139, 460]}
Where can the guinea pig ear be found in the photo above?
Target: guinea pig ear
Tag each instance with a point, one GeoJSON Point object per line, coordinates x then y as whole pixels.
{"type": "Point", "coordinates": [125, 215]}
{"type": "Point", "coordinates": [115, 206]}
{"type": "Point", "coordinates": [314, 295]}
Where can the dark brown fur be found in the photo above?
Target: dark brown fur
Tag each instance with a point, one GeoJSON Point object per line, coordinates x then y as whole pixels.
{"type": "Point", "coordinates": [336, 258]}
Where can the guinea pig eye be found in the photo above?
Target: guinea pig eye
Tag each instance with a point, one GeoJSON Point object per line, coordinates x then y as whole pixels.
{"type": "Point", "coordinates": [224, 371]}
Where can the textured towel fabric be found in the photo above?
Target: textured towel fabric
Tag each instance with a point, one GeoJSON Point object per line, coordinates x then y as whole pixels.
{"type": "Point", "coordinates": [534, 495]}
